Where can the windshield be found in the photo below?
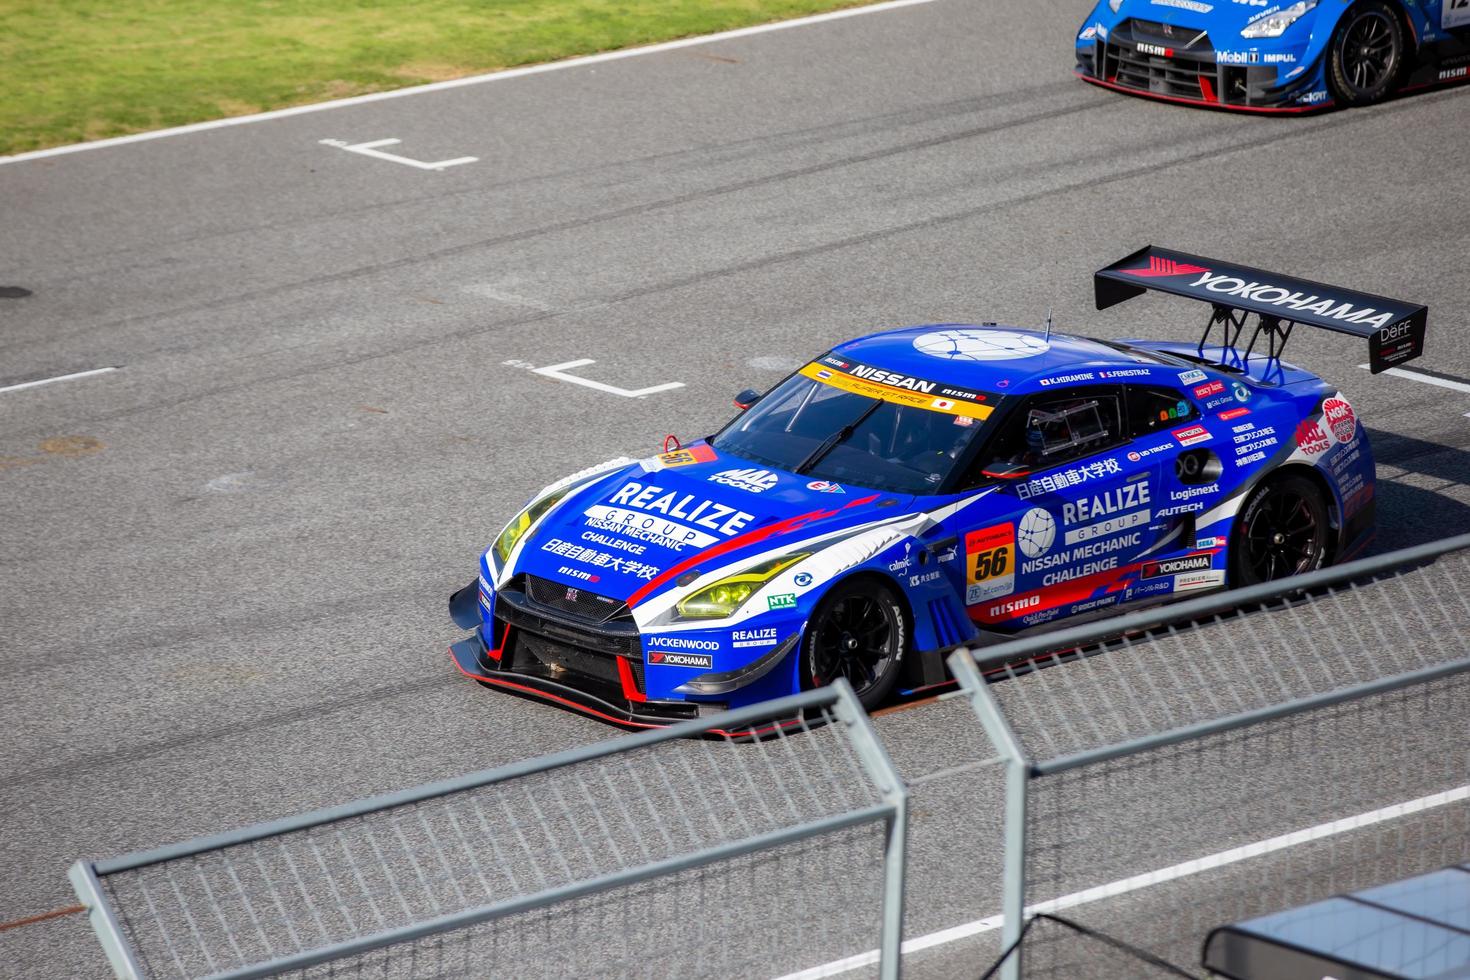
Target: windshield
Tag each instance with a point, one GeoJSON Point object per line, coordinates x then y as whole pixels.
{"type": "Point", "coordinates": [904, 440]}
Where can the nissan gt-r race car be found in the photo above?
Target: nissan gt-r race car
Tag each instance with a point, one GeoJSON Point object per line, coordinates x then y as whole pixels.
{"type": "Point", "coordinates": [1274, 55]}
{"type": "Point", "coordinates": [931, 486]}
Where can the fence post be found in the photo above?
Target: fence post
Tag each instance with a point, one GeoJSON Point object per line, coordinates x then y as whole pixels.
{"type": "Point", "coordinates": [1018, 774]}
{"type": "Point", "coordinates": [886, 778]}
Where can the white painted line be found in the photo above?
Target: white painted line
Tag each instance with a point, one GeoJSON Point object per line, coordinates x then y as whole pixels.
{"type": "Point", "coordinates": [497, 76]}
{"type": "Point", "coordinates": [1425, 378]}
{"type": "Point", "coordinates": [370, 149]}
{"type": "Point", "coordinates": [1175, 871]}
{"type": "Point", "coordinates": [64, 377]}
{"type": "Point", "coordinates": [557, 371]}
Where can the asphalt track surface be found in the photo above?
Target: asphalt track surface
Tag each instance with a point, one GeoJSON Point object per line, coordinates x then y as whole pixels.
{"type": "Point", "coordinates": [223, 567]}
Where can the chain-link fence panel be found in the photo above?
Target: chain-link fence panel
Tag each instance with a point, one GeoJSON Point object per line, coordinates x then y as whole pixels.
{"type": "Point", "coordinates": [1233, 755]}
{"type": "Point", "coordinates": [650, 855]}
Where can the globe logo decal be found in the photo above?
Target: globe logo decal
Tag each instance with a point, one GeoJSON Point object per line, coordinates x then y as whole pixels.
{"type": "Point", "coordinates": [1036, 533]}
{"type": "Point", "coordinates": [980, 345]}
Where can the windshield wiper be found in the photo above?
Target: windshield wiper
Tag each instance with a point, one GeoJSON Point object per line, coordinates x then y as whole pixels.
{"type": "Point", "coordinates": [831, 442]}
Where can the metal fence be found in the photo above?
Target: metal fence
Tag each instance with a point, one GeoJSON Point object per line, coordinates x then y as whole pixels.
{"type": "Point", "coordinates": [1228, 757]}
{"type": "Point", "coordinates": [632, 857]}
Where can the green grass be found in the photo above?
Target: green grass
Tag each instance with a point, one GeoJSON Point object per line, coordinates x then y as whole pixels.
{"type": "Point", "coordinates": [73, 70]}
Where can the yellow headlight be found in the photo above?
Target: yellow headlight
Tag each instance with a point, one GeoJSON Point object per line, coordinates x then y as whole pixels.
{"type": "Point", "coordinates": [725, 597]}
{"type": "Point", "coordinates": [506, 543]}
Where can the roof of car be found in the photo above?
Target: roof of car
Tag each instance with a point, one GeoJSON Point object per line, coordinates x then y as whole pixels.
{"type": "Point", "coordinates": [1002, 359]}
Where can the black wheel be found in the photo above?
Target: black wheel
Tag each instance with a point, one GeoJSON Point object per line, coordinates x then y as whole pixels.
{"type": "Point", "coordinates": [1366, 53]}
{"type": "Point", "coordinates": [1281, 531]}
{"type": "Point", "coordinates": [858, 632]}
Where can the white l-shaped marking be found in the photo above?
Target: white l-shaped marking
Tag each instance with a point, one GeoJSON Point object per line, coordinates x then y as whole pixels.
{"type": "Point", "coordinates": [1428, 379]}
{"type": "Point", "coordinates": [370, 149]}
{"type": "Point", "coordinates": [558, 371]}
{"type": "Point", "coordinates": [63, 377]}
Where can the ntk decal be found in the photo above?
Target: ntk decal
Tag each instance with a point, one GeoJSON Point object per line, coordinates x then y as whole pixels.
{"type": "Point", "coordinates": [990, 563]}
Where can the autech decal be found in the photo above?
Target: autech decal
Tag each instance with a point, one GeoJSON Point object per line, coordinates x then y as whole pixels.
{"type": "Point", "coordinates": [900, 389]}
{"type": "Point", "coordinates": [990, 563]}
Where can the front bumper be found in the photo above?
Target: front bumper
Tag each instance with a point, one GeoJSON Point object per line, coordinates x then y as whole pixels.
{"type": "Point", "coordinates": [1176, 64]}
{"type": "Point", "coordinates": [593, 668]}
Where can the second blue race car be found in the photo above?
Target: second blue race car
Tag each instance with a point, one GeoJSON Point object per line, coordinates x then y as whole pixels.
{"type": "Point", "coordinates": [1274, 55]}
{"type": "Point", "coordinates": [939, 485]}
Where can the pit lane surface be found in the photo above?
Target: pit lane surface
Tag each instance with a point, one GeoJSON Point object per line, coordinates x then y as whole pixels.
{"type": "Point", "coordinates": [224, 565]}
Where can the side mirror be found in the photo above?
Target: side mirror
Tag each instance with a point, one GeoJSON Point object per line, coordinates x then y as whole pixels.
{"type": "Point", "coordinates": [747, 398]}
{"type": "Point", "coordinates": [1006, 471]}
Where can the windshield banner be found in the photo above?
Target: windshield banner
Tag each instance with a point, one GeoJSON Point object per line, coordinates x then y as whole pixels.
{"type": "Point", "coordinates": [901, 389]}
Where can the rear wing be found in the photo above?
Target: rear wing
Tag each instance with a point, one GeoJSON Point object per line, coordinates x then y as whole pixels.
{"type": "Point", "coordinates": [1394, 330]}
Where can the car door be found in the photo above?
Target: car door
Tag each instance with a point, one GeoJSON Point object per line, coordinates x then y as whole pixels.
{"type": "Point", "coordinates": [1168, 430]}
{"type": "Point", "coordinates": [1069, 514]}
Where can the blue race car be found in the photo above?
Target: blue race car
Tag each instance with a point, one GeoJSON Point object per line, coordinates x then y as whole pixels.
{"type": "Point", "coordinates": [939, 485]}
{"type": "Point", "coordinates": [1274, 55]}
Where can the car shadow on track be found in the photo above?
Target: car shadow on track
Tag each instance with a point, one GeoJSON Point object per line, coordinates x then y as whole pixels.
{"type": "Point", "coordinates": [1412, 509]}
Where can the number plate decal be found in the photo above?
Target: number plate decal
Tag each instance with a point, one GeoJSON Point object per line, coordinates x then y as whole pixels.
{"type": "Point", "coordinates": [990, 563]}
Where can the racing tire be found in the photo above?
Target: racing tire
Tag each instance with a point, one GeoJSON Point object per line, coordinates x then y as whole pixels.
{"type": "Point", "coordinates": [858, 632]}
{"type": "Point", "coordinates": [1366, 53]}
{"type": "Point", "coordinates": [1282, 530]}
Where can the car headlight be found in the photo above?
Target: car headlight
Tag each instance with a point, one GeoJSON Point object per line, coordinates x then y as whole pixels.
{"type": "Point", "coordinates": [1274, 25]}
{"type": "Point", "coordinates": [725, 597]}
{"type": "Point", "coordinates": [513, 532]}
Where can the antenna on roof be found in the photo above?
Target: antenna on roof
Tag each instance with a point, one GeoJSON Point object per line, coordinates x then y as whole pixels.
{"type": "Point", "coordinates": [1048, 324]}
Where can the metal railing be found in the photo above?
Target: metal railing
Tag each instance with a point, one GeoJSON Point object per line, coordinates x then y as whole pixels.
{"type": "Point", "coordinates": [522, 869]}
{"type": "Point", "coordinates": [1230, 756]}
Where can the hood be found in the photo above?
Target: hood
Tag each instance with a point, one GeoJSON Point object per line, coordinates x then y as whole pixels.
{"type": "Point", "coordinates": [1224, 19]}
{"type": "Point", "coordinates": [626, 528]}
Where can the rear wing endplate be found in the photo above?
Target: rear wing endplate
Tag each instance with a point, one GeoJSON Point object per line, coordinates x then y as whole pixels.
{"type": "Point", "coordinates": [1394, 329]}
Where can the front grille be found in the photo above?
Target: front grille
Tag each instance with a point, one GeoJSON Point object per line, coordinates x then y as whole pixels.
{"type": "Point", "coordinates": [1179, 62]}
{"type": "Point", "coordinates": [577, 602]}
{"type": "Point", "coordinates": [564, 657]}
